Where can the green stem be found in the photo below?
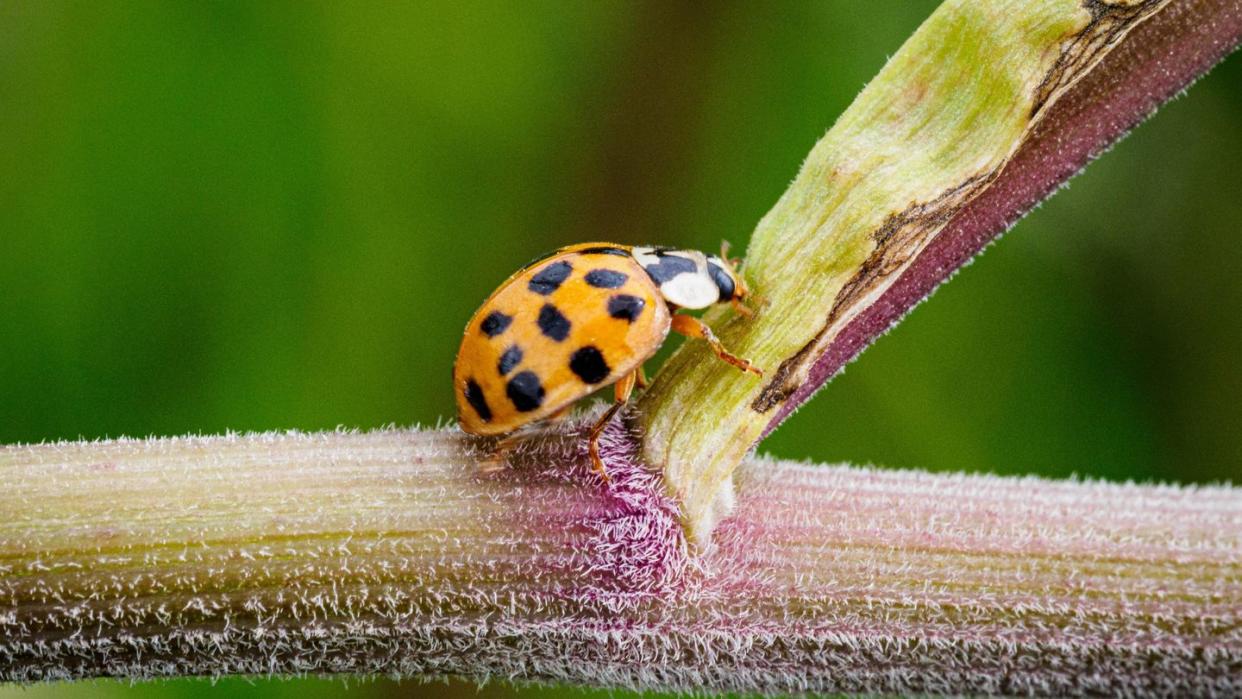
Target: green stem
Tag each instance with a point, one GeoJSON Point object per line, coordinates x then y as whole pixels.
{"type": "Point", "coordinates": [391, 552]}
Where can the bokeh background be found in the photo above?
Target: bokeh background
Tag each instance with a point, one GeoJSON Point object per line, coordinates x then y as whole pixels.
{"type": "Point", "coordinates": [253, 216]}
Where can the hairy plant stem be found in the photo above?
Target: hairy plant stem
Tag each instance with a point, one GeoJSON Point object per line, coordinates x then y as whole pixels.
{"type": "Point", "coordinates": [392, 552]}
{"type": "Point", "coordinates": [984, 111]}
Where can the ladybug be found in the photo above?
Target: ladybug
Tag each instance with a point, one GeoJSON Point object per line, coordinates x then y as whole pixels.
{"type": "Point", "coordinates": [581, 318]}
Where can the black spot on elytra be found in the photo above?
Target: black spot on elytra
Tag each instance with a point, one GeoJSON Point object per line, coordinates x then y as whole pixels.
{"type": "Point", "coordinates": [495, 323]}
{"type": "Point", "coordinates": [525, 390]}
{"type": "Point", "coordinates": [723, 281]}
{"type": "Point", "coordinates": [549, 278]}
{"type": "Point", "coordinates": [605, 278]}
{"type": "Point", "coordinates": [474, 396]}
{"type": "Point", "coordinates": [588, 363]}
{"type": "Point", "coordinates": [625, 307]}
{"type": "Point", "coordinates": [668, 267]}
{"type": "Point", "coordinates": [603, 251]}
{"type": "Point", "coordinates": [510, 359]}
{"type": "Point", "coordinates": [552, 323]}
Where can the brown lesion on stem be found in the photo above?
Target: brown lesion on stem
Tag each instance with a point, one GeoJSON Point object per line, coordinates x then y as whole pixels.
{"type": "Point", "coordinates": [898, 240]}
{"type": "Point", "coordinates": [1110, 22]}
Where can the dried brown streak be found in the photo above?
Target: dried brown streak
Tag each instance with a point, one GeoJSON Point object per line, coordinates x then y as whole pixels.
{"type": "Point", "coordinates": [900, 237]}
{"type": "Point", "coordinates": [901, 234]}
{"type": "Point", "coordinates": [1109, 25]}
{"type": "Point", "coordinates": [780, 387]}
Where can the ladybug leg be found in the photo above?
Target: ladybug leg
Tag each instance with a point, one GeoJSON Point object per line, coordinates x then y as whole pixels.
{"type": "Point", "coordinates": [498, 459]}
{"type": "Point", "coordinates": [624, 388]}
{"type": "Point", "coordinates": [693, 327]}
{"type": "Point", "coordinates": [742, 308]}
{"type": "Point", "coordinates": [641, 376]}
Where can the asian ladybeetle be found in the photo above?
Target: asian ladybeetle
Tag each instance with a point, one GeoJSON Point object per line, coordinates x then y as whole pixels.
{"type": "Point", "coordinates": [584, 317]}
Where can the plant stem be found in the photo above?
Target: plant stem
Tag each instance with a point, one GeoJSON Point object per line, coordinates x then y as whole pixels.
{"type": "Point", "coordinates": [984, 111]}
{"type": "Point", "coordinates": [391, 552]}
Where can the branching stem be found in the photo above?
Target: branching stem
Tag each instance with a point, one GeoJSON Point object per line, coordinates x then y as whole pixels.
{"type": "Point", "coordinates": [982, 113]}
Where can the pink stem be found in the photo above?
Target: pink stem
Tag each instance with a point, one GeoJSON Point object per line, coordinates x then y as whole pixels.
{"type": "Point", "coordinates": [390, 552]}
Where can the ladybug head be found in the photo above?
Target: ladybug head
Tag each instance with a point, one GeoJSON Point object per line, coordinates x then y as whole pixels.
{"type": "Point", "coordinates": [692, 279]}
{"type": "Point", "coordinates": [723, 270]}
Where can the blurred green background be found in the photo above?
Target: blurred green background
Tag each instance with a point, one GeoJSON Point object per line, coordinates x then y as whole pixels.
{"type": "Point", "coordinates": [234, 216]}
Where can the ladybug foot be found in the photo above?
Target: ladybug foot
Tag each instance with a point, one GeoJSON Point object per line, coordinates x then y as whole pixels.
{"type": "Point", "coordinates": [693, 327]}
{"type": "Point", "coordinates": [596, 462]}
{"type": "Point", "coordinates": [623, 389]}
{"type": "Point", "coordinates": [743, 364]}
{"type": "Point", "coordinates": [742, 308]}
{"type": "Point", "coordinates": [492, 464]}
{"type": "Point", "coordinates": [498, 460]}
